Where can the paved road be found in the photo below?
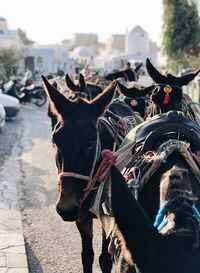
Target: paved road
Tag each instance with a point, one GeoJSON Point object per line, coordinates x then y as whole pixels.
{"type": "Point", "coordinates": [53, 246]}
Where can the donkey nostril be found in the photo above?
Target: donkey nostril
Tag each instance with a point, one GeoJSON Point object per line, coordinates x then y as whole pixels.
{"type": "Point", "coordinates": [74, 210]}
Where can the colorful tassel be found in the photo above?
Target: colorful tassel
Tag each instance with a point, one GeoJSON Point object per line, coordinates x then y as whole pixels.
{"type": "Point", "coordinates": [167, 99]}
{"type": "Point", "coordinates": [167, 90]}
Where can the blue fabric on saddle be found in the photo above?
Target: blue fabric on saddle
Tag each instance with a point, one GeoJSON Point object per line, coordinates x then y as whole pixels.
{"type": "Point", "coordinates": [154, 128]}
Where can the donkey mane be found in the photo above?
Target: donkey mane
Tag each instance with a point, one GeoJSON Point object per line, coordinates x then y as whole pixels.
{"type": "Point", "coordinates": [180, 203]}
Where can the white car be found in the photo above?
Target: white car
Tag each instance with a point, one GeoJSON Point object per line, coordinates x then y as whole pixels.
{"type": "Point", "coordinates": [2, 116]}
{"type": "Point", "coordinates": [11, 105]}
{"type": "Point", "coordinates": [197, 78]}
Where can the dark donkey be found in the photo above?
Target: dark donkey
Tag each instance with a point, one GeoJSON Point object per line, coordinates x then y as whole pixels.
{"type": "Point", "coordinates": [168, 93]}
{"type": "Point", "coordinates": [138, 99]}
{"type": "Point", "coordinates": [82, 88]}
{"type": "Point", "coordinates": [77, 153]}
{"type": "Point", "coordinates": [128, 74]}
{"type": "Point", "coordinates": [116, 122]}
{"type": "Point", "coordinates": [172, 244]}
{"type": "Point", "coordinates": [173, 141]}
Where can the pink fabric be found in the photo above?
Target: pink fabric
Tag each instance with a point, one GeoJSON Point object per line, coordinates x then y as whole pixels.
{"type": "Point", "coordinates": [75, 175]}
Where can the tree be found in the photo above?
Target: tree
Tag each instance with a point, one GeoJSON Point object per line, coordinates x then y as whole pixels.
{"type": "Point", "coordinates": [23, 37]}
{"type": "Point", "coordinates": [181, 31]}
{"type": "Point", "coordinates": [8, 62]}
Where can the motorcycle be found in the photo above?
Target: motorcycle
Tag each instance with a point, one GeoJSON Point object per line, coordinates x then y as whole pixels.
{"type": "Point", "coordinates": [26, 92]}
{"type": "Point", "coordinates": [32, 93]}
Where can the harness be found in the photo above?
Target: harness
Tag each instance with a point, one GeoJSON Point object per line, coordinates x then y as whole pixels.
{"type": "Point", "coordinates": [117, 127]}
{"type": "Point", "coordinates": [108, 159]}
{"type": "Point", "coordinates": [139, 171]}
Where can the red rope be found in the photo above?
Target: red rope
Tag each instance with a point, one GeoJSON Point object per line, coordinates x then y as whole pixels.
{"type": "Point", "coordinates": [108, 159]}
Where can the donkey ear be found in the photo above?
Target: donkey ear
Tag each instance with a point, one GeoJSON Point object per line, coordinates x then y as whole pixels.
{"type": "Point", "coordinates": [185, 79]}
{"type": "Point", "coordinates": [154, 73]}
{"type": "Point", "coordinates": [70, 83]}
{"type": "Point", "coordinates": [138, 67]}
{"type": "Point", "coordinates": [82, 83]}
{"type": "Point", "coordinates": [59, 101]}
{"type": "Point", "coordinates": [121, 88]}
{"type": "Point", "coordinates": [99, 103]}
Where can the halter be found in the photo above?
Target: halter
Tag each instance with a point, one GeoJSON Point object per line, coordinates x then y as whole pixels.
{"type": "Point", "coordinates": [174, 86]}
{"type": "Point", "coordinates": [80, 176]}
{"type": "Point", "coordinates": [108, 159]}
{"type": "Point", "coordinates": [168, 88]}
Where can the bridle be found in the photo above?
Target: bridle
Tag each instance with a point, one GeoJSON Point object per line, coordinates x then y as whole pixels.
{"type": "Point", "coordinates": [108, 159]}
{"type": "Point", "coordinates": [81, 176]}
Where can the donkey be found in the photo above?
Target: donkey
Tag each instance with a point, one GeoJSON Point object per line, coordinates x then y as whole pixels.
{"type": "Point", "coordinates": [168, 93]}
{"type": "Point", "coordinates": [128, 74]}
{"type": "Point", "coordinates": [86, 90]}
{"type": "Point", "coordinates": [77, 154]}
{"type": "Point", "coordinates": [175, 247]}
{"type": "Point", "coordinates": [134, 98]}
{"type": "Point", "coordinates": [118, 119]}
{"type": "Point", "coordinates": [138, 99]}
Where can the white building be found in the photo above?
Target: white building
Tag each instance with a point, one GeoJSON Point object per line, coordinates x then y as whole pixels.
{"type": "Point", "coordinates": [47, 59]}
{"type": "Point", "coordinates": [137, 43]}
{"type": "Point", "coordinates": [9, 38]}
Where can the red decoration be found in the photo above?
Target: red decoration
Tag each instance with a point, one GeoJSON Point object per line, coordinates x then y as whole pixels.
{"type": "Point", "coordinates": [167, 99]}
{"type": "Point", "coordinates": [167, 90]}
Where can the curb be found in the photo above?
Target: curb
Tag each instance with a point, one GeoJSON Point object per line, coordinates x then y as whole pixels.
{"type": "Point", "coordinates": [12, 247]}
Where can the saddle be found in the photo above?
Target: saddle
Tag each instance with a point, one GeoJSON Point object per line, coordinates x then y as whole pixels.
{"type": "Point", "coordinates": [145, 135]}
{"type": "Point", "coordinates": [171, 124]}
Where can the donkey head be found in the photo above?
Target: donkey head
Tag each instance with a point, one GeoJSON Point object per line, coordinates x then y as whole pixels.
{"type": "Point", "coordinates": [76, 143]}
{"type": "Point", "coordinates": [168, 92]}
{"type": "Point", "coordinates": [82, 89]}
{"type": "Point", "coordinates": [136, 98]}
{"type": "Point", "coordinates": [78, 90]}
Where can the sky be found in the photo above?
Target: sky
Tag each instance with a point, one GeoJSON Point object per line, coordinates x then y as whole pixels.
{"type": "Point", "coordinates": [47, 21]}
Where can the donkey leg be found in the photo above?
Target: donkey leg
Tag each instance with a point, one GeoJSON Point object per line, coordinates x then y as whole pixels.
{"type": "Point", "coordinates": [85, 228]}
{"type": "Point", "coordinates": [105, 260]}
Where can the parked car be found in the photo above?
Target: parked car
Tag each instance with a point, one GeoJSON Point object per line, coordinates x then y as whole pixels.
{"type": "Point", "coordinates": [11, 105]}
{"type": "Point", "coordinates": [197, 78]}
{"type": "Point", "coordinates": [2, 116]}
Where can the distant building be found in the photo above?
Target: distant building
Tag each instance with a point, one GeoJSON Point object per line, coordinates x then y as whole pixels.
{"type": "Point", "coordinates": [9, 38]}
{"type": "Point", "coordinates": [137, 43]}
{"type": "Point", "coordinates": [46, 59]}
{"type": "Point", "coordinates": [84, 39]}
{"type": "Point", "coordinates": [116, 41]}
{"type": "Point", "coordinates": [83, 55]}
